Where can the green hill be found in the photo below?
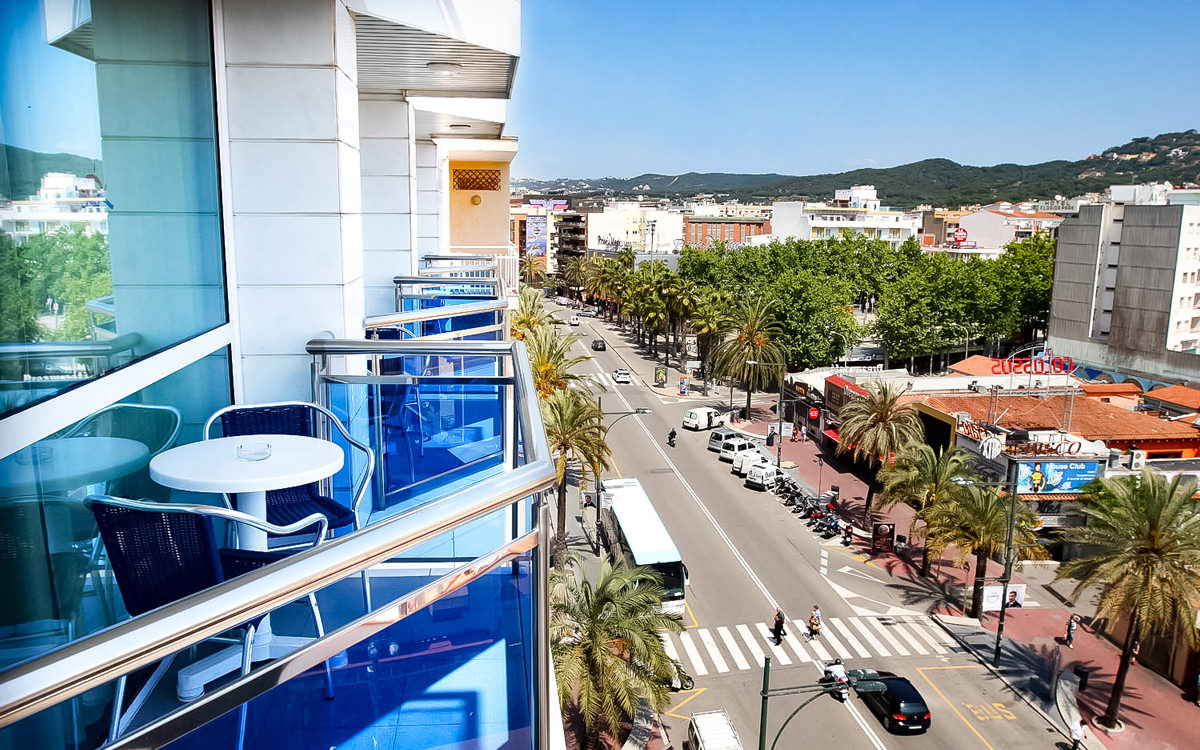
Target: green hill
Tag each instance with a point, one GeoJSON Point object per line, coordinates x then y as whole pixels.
{"type": "Point", "coordinates": [21, 170]}
{"type": "Point", "coordinates": [1173, 157]}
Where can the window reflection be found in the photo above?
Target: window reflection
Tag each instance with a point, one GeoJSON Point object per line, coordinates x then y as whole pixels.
{"type": "Point", "coordinates": [109, 224]}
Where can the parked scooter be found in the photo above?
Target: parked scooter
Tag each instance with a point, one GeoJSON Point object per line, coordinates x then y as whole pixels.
{"type": "Point", "coordinates": [831, 528]}
{"type": "Point", "coordinates": [848, 535]}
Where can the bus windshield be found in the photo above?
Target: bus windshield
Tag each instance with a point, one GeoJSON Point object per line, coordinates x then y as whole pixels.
{"type": "Point", "coordinates": [672, 579]}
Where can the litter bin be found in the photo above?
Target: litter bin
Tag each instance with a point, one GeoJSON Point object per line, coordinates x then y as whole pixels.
{"type": "Point", "coordinates": [1082, 673]}
{"type": "Point", "coordinates": [837, 492]}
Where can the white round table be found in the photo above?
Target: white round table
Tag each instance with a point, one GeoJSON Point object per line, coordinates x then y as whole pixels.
{"type": "Point", "coordinates": [64, 464]}
{"type": "Point", "coordinates": [213, 466]}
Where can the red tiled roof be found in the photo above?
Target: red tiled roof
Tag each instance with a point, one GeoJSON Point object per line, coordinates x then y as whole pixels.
{"type": "Point", "coordinates": [1180, 395]}
{"type": "Point", "coordinates": [976, 364]}
{"type": "Point", "coordinates": [1111, 389]}
{"type": "Point", "coordinates": [1091, 418]}
{"type": "Point", "coordinates": [845, 384]}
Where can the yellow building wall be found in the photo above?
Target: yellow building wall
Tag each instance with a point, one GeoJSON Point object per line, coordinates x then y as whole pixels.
{"type": "Point", "coordinates": [482, 227]}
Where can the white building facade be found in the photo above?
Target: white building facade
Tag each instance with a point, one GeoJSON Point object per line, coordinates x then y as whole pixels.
{"type": "Point", "coordinates": [817, 221]}
{"type": "Point", "coordinates": [646, 229]}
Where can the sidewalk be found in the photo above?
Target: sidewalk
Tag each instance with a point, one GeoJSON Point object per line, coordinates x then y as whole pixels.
{"type": "Point", "coordinates": [638, 361]}
{"type": "Point", "coordinates": [1156, 713]}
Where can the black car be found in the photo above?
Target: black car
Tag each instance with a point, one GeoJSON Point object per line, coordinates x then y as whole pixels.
{"type": "Point", "coordinates": [598, 345]}
{"type": "Point", "coordinates": [900, 707]}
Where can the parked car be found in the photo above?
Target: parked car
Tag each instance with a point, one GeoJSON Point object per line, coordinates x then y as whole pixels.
{"type": "Point", "coordinates": [900, 706]}
{"type": "Point", "coordinates": [563, 301]}
{"type": "Point", "coordinates": [701, 418]}
{"type": "Point", "coordinates": [744, 460]}
{"type": "Point", "coordinates": [712, 730]}
{"type": "Point", "coordinates": [762, 475]}
{"type": "Point", "coordinates": [587, 312]}
{"type": "Point", "coordinates": [598, 345]}
{"type": "Point", "coordinates": [717, 437]}
{"type": "Point", "coordinates": [621, 375]}
{"type": "Point", "coordinates": [734, 446]}
{"type": "Point", "coordinates": [573, 320]}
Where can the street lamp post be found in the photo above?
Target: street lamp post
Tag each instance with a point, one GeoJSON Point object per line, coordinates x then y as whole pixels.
{"type": "Point", "coordinates": [778, 409]}
{"type": "Point", "coordinates": [619, 416]}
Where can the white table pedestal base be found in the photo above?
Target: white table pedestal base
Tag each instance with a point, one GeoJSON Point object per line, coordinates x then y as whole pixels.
{"type": "Point", "coordinates": [192, 678]}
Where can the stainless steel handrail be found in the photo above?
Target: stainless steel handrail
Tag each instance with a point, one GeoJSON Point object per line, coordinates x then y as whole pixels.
{"type": "Point", "coordinates": [387, 320]}
{"type": "Point", "coordinates": [415, 347]}
{"type": "Point", "coordinates": [89, 662]}
{"type": "Point", "coordinates": [445, 281]}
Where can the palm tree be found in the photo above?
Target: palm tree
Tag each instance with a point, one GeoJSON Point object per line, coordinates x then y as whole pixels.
{"type": "Point", "coordinates": [755, 334]}
{"type": "Point", "coordinates": [922, 479]}
{"type": "Point", "coordinates": [1143, 543]}
{"type": "Point", "coordinates": [551, 360]}
{"type": "Point", "coordinates": [627, 257]}
{"type": "Point", "coordinates": [572, 272]}
{"type": "Point", "coordinates": [976, 522]}
{"type": "Point", "coordinates": [531, 313]}
{"type": "Point", "coordinates": [710, 323]}
{"type": "Point", "coordinates": [600, 280]}
{"type": "Point", "coordinates": [875, 427]}
{"type": "Point", "coordinates": [575, 431]}
{"type": "Point", "coordinates": [532, 268]}
{"type": "Point", "coordinates": [604, 637]}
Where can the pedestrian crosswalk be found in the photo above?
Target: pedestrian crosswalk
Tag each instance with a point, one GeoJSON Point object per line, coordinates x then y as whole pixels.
{"type": "Point", "coordinates": [602, 379]}
{"type": "Point", "coordinates": [737, 648]}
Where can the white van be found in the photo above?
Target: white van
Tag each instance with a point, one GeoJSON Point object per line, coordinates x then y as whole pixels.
{"type": "Point", "coordinates": [701, 418]}
{"type": "Point", "coordinates": [717, 437]}
{"type": "Point", "coordinates": [744, 460]}
{"type": "Point", "coordinates": [762, 476]}
{"type": "Point", "coordinates": [734, 446]}
{"type": "Point", "coordinates": [712, 730]}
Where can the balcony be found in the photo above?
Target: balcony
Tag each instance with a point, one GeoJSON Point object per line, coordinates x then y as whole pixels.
{"type": "Point", "coordinates": [449, 647]}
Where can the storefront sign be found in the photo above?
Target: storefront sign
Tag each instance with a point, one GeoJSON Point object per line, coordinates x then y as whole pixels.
{"type": "Point", "coordinates": [1048, 477]}
{"type": "Point", "coordinates": [974, 430]}
{"type": "Point", "coordinates": [1072, 448]}
{"type": "Point", "coordinates": [1035, 366]}
{"type": "Point", "coordinates": [814, 413]}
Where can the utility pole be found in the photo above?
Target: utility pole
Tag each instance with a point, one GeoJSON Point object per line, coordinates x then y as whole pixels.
{"type": "Point", "coordinates": [766, 694]}
{"type": "Point", "coordinates": [1008, 559]}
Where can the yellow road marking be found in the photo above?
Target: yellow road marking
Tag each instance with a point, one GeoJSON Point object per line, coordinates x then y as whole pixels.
{"type": "Point", "coordinates": [694, 692]}
{"type": "Point", "coordinates": [952, 706]}
{"type": "Point", "coordinates": [616, 468]}
{"type": "Point", "coordinates": [689, 611]}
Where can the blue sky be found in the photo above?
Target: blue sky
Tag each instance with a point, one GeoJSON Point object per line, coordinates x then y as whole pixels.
{"type": "Point", "coordinates": [620, 88]}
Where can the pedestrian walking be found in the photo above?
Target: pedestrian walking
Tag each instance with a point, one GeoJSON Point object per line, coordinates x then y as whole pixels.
{"type": "Point", "coordinates": [1137, 647]}
{"type": "Point", "coordinates": [1078, 733]}
{"type": "Point", "coordinates": [804, 433]}
{"type": "Point", "coordinates": [1072, 623]}
{"type": "Point", "coordinates": [817, 612]}
{"type": "Point", "coordinates": [814, 626]}
{"type": "Point", "coordinates": [777, 626]}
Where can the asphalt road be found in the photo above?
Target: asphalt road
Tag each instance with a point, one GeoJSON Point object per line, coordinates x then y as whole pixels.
{"type": "Point", "coordinates": [747, 554]}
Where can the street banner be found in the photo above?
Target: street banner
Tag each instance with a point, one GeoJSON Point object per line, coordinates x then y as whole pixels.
{"type": "Point", "coordinates": [993, 594]}
{"type": "Point", "coordinates": [788, 428]}
{"type": "Point", "coordinates": [683, 385]}
{"type": "Point", "coordinates": [883, 538]}
{"type": "Point", "coordinates": [1045, 477]}
{"type": "Point", "coordinates": [536, 236]}
{"type": "Point", "coordinates": [660, 376]}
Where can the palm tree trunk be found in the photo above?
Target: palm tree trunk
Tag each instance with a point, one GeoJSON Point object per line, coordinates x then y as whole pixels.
{"type": "Point", "coordinates": [925, 556]}
{"type": "Point", "coordinates": [748, 393]}
{"type": "Point", "coordinates": [868, 503]}
{"type": "Point", "coordinates": [561, 545]}
{"type": "Point", "coordinates": [1114, 701]}
{"type": "Point", "coordinates": [980, 575]}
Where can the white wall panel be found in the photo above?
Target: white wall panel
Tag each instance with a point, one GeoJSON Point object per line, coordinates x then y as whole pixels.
{"type": "Point", "coordinates": [285, 177]}
{"type": "Point", "coordinates": [280, 103]}
{"type": "Point", "coordinates": [280, 249]}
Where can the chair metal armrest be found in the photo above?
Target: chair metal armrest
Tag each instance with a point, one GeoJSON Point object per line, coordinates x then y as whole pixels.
{"type": "Point", "coordinates": [316, 519]}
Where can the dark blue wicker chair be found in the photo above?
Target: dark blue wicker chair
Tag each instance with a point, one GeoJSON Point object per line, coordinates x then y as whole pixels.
{"type": "Point", "coordinates": [287, 505]}
{"type": "Point", "coordinates": [161, 553]}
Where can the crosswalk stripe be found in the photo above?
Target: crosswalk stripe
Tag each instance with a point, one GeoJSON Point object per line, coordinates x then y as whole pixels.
{"type": "Point", "coordinates": [714, 653]}
{"type": "Point", "coordinates": [942, 635]}
{"type": "Point", "coordinates": [779, 654]}
{"type": "Point", "coordinates": [845, 632]}
{"type": "Point", "coordinates": [669, 647]}
{"type": "Point", "coordinates": [751, 644]}
{"type": "Point", "coordinates": [794, 642]}
{"type": "Point", "coordinates": [896, 645]}
{"type": "Point", "coordinates": [828, 636]}
{"type": "Point", "coordinates": [921, 627]}
{"type": "Point", "coordinates": [871, 639]}
{"type": "Point", "coordinates": [899, 630]}
{"type": "Point", "coordinates": [698, 668]}
{"type": "Point", "coordinates": [819, 650]}
{"type": "Point", "coordinates": [734, 651]}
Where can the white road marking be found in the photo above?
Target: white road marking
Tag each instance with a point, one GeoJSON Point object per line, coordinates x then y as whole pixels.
{"type": "Point", "coordinates": [819, 650]}
{"type": "Point", "coordinates": [880, 649]}
{"type": "Point", "coordinates": [794, 642]}
{"type": "Point", "coordinates": [752, 644]}
{"type": "Point", "coordinates": [824, 562]}
{"type": "Point", "coordinates": [779, 654]}
{"type": "Point", "coordinates": [714, 653]}
{"type": "Point", "coordinates": [669, 646]}
{"type": "Point", "coordinates": [846, 633]}
{"type": "Point", "coordinates": [899, 630]}
{"type": "Point", "coordinates": [828, 636]}
{"type": "Point", "coordinates": [698, 668]}
{"type": "Point", "coordinates": [896, 645]}
{"type": "Point", "coordinates": [942, 635]}
{"type": "Point", "coordinates": [734, 651]}
{"type": "Point", "coordinates": [850, 570]}
{"type": "Point", "coordinates": [921, 626]}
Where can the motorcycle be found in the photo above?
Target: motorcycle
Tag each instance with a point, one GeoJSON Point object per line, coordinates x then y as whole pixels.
{"type": "Point", "coordinates": [848, 535]}
{"type": "Point", "coordinates": [836, 681]}
{"type": "Point", "coordinates": [831, 528]}
{"type": "Point", "coordinates": [671, 438]}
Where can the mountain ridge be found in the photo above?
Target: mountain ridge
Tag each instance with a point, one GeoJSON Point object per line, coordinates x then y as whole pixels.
{"type": "Point", "coordinates": [1173, 157]}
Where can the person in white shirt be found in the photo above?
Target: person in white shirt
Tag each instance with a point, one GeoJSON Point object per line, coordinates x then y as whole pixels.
{"type": "Point", "coordinates": [1078, 732]}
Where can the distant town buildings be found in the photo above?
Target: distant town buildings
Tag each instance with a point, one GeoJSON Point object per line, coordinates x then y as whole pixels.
{"type": "Point", "coordinates": [853, 211]}
{"type": "Point", "coordinates": [706, 231]}
{"type": "Point", "coordinates": [62, 201]}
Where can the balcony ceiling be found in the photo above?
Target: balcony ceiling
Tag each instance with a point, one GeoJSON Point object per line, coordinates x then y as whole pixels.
{"type": "Point", "coordinates": [394, 59]}
{"type": "Point", "coordinates": [440, 124]}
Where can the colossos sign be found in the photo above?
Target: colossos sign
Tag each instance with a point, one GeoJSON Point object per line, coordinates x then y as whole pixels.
{"type": "Point", "coordinates": [1035, 366]}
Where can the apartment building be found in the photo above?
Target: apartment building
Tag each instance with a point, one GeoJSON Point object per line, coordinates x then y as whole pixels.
{"type": "Point", "coordinates": [1126, 297]}
{"type": "Point", "coordinates": [706, 231]}
{"type": "Point", "coordinates": [63, 202]}
{"type": "Point", "coordinates": [854, 211]}
{"type": "Point", "coordinates": [997, 227]}
{"type": "Point", "coordinates": [309, 203]}
{"type": "Point", "coordinates": [649, 229]}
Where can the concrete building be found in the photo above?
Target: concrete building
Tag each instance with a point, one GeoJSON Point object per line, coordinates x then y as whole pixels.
{"type": "Point", "coordinates": [995, 228]}
{"type": "Point", "coordinates": [645, 228]}
{"type": "Point", "coordinates": [310, 204]}
{"type": "Point", "coordinates": [706, 231]}
{"type": "Point", "coordinates": [855, 211]}
{"type": "Point", "coordinates": [63, 201]}
{"type": "Point", "coordinates": [1126, 297]}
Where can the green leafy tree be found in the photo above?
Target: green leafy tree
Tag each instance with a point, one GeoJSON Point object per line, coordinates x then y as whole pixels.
{"type": "Point", "coordinates": [551, 359]}
{"type": "Point", "coordinates": [1142, 545]}
{"type": "Point", "coordinates": [752, 353]}
{"type": "Point", "coordinates": [20, 298]}
{"type": "Point", "coordinates": [1028, 270]}
{"type": "Point", "coordinates": [816, 326]}
{"type": "Point", "coordinates": [976, 523]}
{"type": "Point", "coordinates": [532, 268]}
{"type": "Point", "coordinates": [604, 637]}
{"type": "Point", "coordinates": [875, 427]}
{"type": "Point", "coordinates": [575, 432]}
{"type": "Point", "coordinates": [531, 313]}
{"type": "Point", "coordinates": [73, 268]}
{"type": "Point", "coordinates": [921, 478]}
{"type": "Point", "coordinates": [710, 321]}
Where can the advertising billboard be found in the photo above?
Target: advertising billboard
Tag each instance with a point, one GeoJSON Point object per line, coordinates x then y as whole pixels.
{"type": "Point", "coordinates": [993, 595]}
{"type": "Point", "coordinates": [536, 236]}
{"type": "Point", "coordinates": [1047, 477]}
